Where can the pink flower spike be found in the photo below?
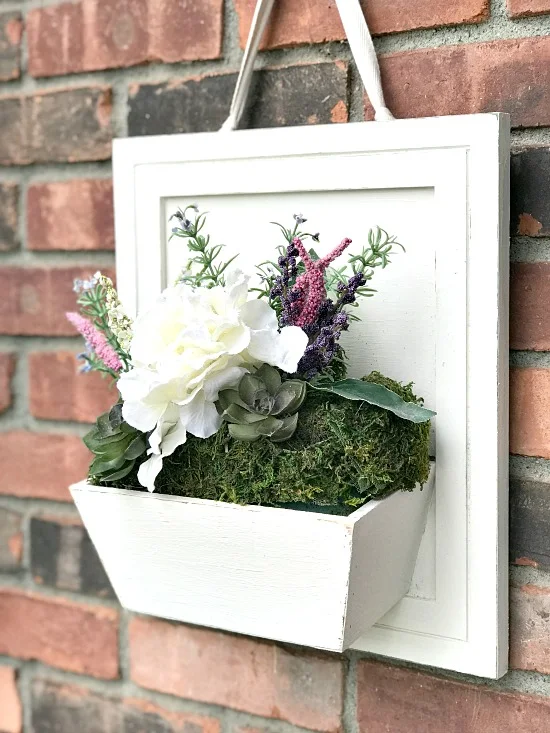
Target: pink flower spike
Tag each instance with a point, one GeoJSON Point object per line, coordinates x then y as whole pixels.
{"type": "Point", "coordinates": [311, 284]}
{"type": "Point", "coordinates": [97, 341]}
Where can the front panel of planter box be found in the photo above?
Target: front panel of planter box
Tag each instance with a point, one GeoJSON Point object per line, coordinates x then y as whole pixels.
{"type": "Point", "coordinates": [439, 315]}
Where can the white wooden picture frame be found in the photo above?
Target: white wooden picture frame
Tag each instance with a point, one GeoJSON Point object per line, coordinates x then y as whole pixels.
{"type": "Point", "coordinates": [440, 317]}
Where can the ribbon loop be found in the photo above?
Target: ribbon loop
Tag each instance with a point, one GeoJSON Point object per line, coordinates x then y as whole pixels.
{"type": "Point", "coordinates": [360, 42]}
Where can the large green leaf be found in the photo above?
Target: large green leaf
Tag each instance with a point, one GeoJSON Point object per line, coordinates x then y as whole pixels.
{"type": "Point", "coordinates": [376, 394]}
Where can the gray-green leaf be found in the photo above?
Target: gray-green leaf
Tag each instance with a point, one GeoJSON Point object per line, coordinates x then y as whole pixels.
{"type": "Point", "coordinates": [376, 394]}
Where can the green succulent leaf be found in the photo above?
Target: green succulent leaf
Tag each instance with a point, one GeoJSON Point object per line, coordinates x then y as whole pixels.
{"type": "Point", "coordinates": [287, 429]}
{"type": "Point", "coordinates": [106, 429]}
{"type": "Point", "coordinates": [376, 394]}
{"type": "Point", "coordinates": [111, 450]}
{"type": "Point", "coordinates": [100, 465]}
{"type": "Point", "coordinates": [121, 473]}
{"type": "Point", "coordinates": [137, 447]}
{"type": "Point", "coordinates": [290, 397]}
{"type": "Point", "coordinates": [228, 397]}
{"type": "Point", "coordinates": [249, 386]}
{"type": "Point", "coordinates": [115, 416]}
{"type": "Point", "coordinates": [241, 416]}
{"type": "Point", "coordinates": [247, 433]}
{"type": "Point", "coordinates": [270, 377]}
{"type": "Point", "coordinates": [269, 426]}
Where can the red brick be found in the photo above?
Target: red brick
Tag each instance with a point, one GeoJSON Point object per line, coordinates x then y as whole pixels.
{"type": "Point", "coordinates": [9, 197]}
{"type": "Point", "coordinates": [394, 700]}
{"type": "Point", "coordinates": [502, 76]}
{"type": "Point", "coordinates": [70, 215]}
{"type": "Point", "coordinates": [11, 541]}
{"type": "Point", "coordinates": [104, 34]}
{"type": "Point", "coordinates": [529, 314]}
{"type": "Point", "coordinates": [67, 708]}
{"type": "Point", "coordinates": [530, 628]}
{"type": "Point", "coordinates": [11, 716]}
{"type": "Point", "coordinates": [51, 463]}
{"type": "Point", "coordinates": [236, 672]}
{"type": "Point", "coordinates": [64, 125]}
{"type": "Point", "coordinates": [60, 633]}
{"type": "Point", "coordinates": [59, 392]}
{"type": "Point", "coordinates": [318, 21]}
{"type": "Point", "coordinates": [7, 367]}
{"type": "Point", "coordinates": [530, 412]}
{"type": "Point", "coordinates": [35, 299]}
{"type": "Point", "coordinates": [11, 29]}
{"type": "Point", "coordinates": [523, 8]}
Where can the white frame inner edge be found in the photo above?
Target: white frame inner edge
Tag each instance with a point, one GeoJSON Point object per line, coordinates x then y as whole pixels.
{"type": "Point", "coordinates": [465, 161]}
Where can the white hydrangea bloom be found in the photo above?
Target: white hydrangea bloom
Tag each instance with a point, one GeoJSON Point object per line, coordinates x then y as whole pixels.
{"type": "Point", "coordinates": [190, 345]}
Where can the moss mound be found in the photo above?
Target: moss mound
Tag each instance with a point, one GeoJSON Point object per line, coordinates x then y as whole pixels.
{"type": "Point", "coordinates": [342, 454]}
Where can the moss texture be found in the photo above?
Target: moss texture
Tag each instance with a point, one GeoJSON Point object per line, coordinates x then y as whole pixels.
{"type": "Point", "coordinates": [342, 454]}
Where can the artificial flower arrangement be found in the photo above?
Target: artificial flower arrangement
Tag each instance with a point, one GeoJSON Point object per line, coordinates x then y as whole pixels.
{"type": "Point", "coordinates": [238, 392]}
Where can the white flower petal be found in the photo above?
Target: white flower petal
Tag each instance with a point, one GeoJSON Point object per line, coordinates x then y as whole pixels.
{"type": "Point", "coordinates": [259, 315]}
{"type": "Point", "coordinates": [148, 471]}
{"type": "Point", "coordinates": [222, 380]}
{"type": "Point", "coordinates": [200, 417]}
{"type": "Point", "coordinates": [176, 436]}
{"type": "Point", "coordinates": [283, 350]}
{"type": "Point", "coordinates": [142, 416]}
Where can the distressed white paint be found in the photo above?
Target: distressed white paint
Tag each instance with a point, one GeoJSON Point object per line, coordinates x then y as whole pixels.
{"type": "Point", "coordinates": [294, 576]}
{"type": "Point", "coordinates": [440, 317]}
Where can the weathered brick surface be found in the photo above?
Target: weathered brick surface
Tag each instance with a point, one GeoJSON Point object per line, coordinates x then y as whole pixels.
{"type": "Point", "coordinates": [299, 95]}
{"type": "Point", "coordinates": [41, 465]}
{"type": "Point", "coordinates": [237, 672]}
{"type": "Point", "coordinates": [67, 708]}
{"type": "Point", "coordinates": [530, 628]}
{"type": "Point", "coordinates": [9, 197]}
{"type": "Point", "coordinates": [529, 315]}
{"type": "Point", "coordinates": [103, 34]}
{"type": "Point", "coordinates": [529, 206]}
{"type": "Point", "coordinates": [7, 367]}
{"type": "Point", "coordinates": [67, 125]}
{"type": "Point", "coordinates": [58, 391]}
{"type": "Point", "coordinates": [35, 299]}
{"type": "Point", "coordinates": [11, 28]}
{"type": "Point", "coordinates": [523, 8]}
{"type": "Point", "coordinates": [394, 700]}
{"type": "Point", "coordinates": [63, 556]}
{"type": "Point", "coordinates": [529, 522]}
{"type": "Point", "coordinates": [11, 541]}
{"type": "Point", "coordinates": [11, 715]}
{"type": "Point", "coordinates": [317, 21]}
{"type": "Point", "coordinates": [60, 633]}
{"type": "Point", "coordinates": [70, 215]}
{"type": "Point", "coordinates": [501, 76]}
{"type": "Point", "coordinates": [530, 412]}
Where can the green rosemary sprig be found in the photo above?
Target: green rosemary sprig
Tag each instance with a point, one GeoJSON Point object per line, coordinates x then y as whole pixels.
{"type": "Point", "coordinates": [203, 268]}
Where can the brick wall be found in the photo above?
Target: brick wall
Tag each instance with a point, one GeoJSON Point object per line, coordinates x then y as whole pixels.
{"type": "Point", "coordinates": [72, 76]}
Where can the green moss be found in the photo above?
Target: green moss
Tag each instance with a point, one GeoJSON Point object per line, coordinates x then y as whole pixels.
{"type": "Point", "coordinates": [342, 454]}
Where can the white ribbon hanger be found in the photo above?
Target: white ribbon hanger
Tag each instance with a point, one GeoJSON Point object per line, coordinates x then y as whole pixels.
{"type": "Point", "coordinates": [360, 42]}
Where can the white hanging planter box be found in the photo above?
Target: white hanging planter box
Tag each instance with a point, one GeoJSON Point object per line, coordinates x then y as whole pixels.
{"type": "Point", "coordinates": [306, 578]}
